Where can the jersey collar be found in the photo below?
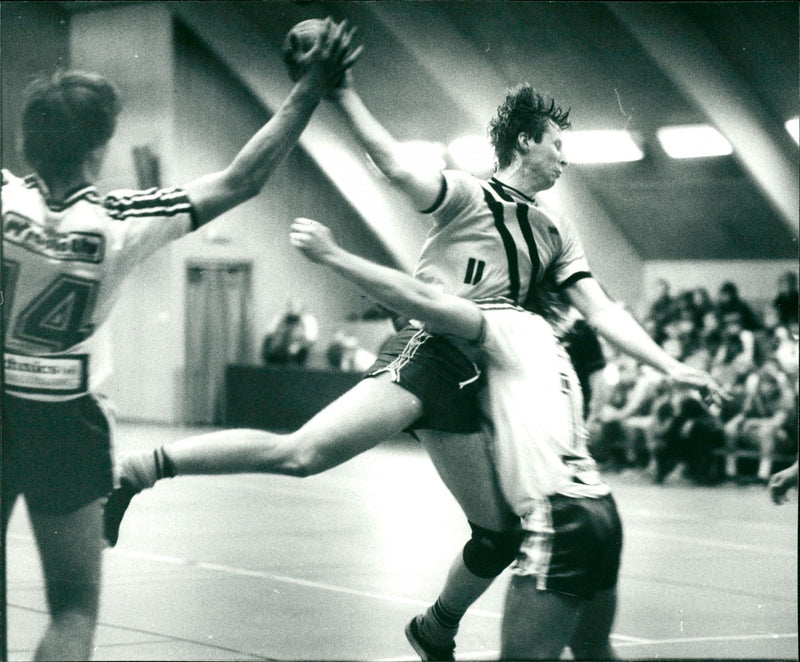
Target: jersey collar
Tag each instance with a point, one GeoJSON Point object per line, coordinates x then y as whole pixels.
{"type": "Point", "coordinates": [83, 190]}
{"type": "Point", "coordinates": [511, 188]}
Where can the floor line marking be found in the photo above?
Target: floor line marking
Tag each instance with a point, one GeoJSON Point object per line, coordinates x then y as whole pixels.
{"type": "Point", "coordinates": [327, 587]}
{"type": "Point", "coordinates": [733, 637]}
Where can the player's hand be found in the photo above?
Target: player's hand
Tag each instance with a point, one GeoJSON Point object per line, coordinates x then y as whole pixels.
{"type": "Point", "coordinates": [780, 482]}
{"type": "Point", "coordinates": [712, 392]}
{"type": "Point", "coordinates": [331, 56]}
{"type": "Point", "coordinates": [312, 239]}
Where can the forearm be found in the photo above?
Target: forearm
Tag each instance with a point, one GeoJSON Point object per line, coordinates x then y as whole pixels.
{"type": "Point", "coordinates": [250, 169]}
{"type": "Point", "coordinates": [422, 187]}
{"type": "Point", "coordinates": [408, 296]}
{"type": "Point", "coordinates": [618, 327]}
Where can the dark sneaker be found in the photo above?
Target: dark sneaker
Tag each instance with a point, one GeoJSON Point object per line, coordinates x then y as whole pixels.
{"type": "Point", "coordinates": [115, 507]}
{"type": "Point", "coordinates": [425, 650]}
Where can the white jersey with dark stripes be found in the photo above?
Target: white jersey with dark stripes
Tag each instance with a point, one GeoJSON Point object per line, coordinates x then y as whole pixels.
{"type": "Point", "coordinates": [63, 264]}
{"type": "Point", "coordinates": [490, 240]}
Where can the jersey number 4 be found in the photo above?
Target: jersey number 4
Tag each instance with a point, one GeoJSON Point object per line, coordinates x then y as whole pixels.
{"type": "Point", "coordinates": [59, 317]}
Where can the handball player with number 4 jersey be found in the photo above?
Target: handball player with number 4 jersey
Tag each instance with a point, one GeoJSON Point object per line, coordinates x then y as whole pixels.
{"type": "Point", "coordinates": [66, 251]}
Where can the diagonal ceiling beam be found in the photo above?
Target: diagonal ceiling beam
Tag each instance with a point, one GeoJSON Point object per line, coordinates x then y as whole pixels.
{"type": "Point", "coordinates": [256, 61]}
{"type": "Point", "coordinates": [695, 67]}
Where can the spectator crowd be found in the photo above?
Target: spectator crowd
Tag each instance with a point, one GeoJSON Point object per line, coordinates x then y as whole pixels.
{"type": "Point", "coordinates": [637, 419]}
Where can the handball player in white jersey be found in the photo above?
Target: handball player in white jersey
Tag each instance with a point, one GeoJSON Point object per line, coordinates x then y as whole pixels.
{"type": "Point", "coordinates": [66, 251]}
{"type": "Point", "coordinates": [488, 239]}
{"type": "Point", "coordinates": [566, 570]}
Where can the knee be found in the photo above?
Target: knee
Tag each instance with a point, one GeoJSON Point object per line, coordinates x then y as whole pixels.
{"type": "Point", "coordinates": [487, 553]}
{"type": "Point", "coordinates": [301, 458]}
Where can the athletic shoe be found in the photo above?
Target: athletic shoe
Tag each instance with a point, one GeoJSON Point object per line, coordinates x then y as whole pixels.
{"type": "Point", "coordinates": [115, 507]}
{"type": "Point", "coordinates": [424, 649]}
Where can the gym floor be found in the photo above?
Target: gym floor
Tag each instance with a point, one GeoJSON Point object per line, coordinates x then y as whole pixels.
{"type": "Point", "coordinates": [332, 567]}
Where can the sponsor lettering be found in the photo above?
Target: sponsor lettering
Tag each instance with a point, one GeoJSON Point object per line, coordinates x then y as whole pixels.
{"type": "Point", "coordinates": [68, 246]}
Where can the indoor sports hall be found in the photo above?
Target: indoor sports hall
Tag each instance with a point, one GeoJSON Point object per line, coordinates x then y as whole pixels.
{"type": "Point", "coordinates": [683, 183]}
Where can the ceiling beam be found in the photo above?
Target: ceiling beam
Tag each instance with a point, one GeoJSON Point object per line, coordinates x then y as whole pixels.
{"type": "Point", "coordinates": [256, 61]}
{"type": "Point", "coordinates": [687, 57]}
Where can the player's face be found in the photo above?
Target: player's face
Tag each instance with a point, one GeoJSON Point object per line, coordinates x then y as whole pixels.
{"type": "Point", "coordinates": [545, 161]}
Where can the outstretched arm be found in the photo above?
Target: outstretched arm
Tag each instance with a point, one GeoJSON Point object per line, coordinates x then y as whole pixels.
{"type": "Point", "coordinates": [421, 185]}
{"type": "Point", "coordinates": [618, 327]}
{"type": "Point", "coordinates": [442, 313]}
{"type": "Point", "coordinates": [213, 194]}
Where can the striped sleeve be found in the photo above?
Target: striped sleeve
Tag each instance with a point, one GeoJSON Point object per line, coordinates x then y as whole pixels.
{"type": "Point", "coordinates": [144, 221]}
{"type": "Point", "coordinates": [122, 205]}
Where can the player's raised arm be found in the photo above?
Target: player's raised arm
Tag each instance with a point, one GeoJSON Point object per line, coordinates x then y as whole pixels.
{"type": "Point", "coordinates": [442, 313]}
{"type": "Point", "coordinates": [323, 64]}
{"type": "Point", "coordinates": [422, 185]}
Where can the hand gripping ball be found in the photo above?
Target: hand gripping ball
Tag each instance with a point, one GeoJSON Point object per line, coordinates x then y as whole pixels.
{"type": "Point", "coordinates": [298, 41]}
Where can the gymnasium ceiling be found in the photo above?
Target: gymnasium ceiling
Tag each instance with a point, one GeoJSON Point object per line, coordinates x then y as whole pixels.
{"type": "Point", "coordinates": [437, 70]}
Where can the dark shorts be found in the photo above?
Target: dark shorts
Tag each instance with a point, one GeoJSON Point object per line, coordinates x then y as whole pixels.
{"type": "Point", "coordinates": [572, 545]}
{"type": "Point", "coordinates": [56, 454]}
{"type": "Point", "coordinates": [439, 374]}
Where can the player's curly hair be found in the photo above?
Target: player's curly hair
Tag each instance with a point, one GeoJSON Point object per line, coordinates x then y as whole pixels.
{"type": "Point", "coordinates": [523, 111]}
{"type": "Point", "coordinates": [64, 117]}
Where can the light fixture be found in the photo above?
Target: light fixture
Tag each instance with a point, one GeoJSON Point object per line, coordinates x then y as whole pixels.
{"type": "Point", "coordinates": [472, 153]}
{"type": "Point", "coordinates": [693, 141]}
{"type": "Point", "coordinates": [792, 127]}
{"type": "Point", "coordinates": [601, 146]}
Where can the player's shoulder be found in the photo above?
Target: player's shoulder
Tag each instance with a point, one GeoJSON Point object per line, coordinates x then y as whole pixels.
{"type": "Point", "coordinates": [462, 179]}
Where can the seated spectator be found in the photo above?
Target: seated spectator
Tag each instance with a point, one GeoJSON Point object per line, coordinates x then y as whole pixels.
{"type": "Point", "coordinates": [736, 354]}
{"type": "Point", "coordinates": [786, 301]}
{"type": "Point", "coordinates": [344, 353]}
{"type": "Point", "coordinates": [786, 352]}
{"type": "Point", "coordinates": [291, 338]}
{"type": "Point", "coordinates": [702, 303]}
{"type": "Point", "coordinates": [685, 432]}
{"type": "Point", "coordinates": [767, 422]}
{"type": "Point", "coordinates": [729, 301]}
{"type": "Point", "coordinates": [626, 416]}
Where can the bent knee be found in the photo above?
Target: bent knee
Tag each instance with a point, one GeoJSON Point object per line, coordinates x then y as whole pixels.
{"type": "Point", "coordinates": [302, 457]}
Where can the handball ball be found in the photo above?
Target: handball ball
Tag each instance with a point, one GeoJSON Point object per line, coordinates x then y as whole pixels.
{"type": "Point", "coordinates": [299, 40]}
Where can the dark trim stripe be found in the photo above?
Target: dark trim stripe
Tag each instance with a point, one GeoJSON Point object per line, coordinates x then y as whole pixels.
{"type": "Point", "coordinates": [479, 271]}
{"type": "Point", "coordinates": [497, 185]}
{"type": "Point", "coordinates": [470, 271]}
{"type": "Point", "coordinates": [498, 188]}
{"type": "Point", "coordinates": [527, 233]}
{"type": "Point", "coordinates": [439, 198]}
{"type": "Point", "coordinates": [508, 243]}
{"type": "Point", "coordinates": [574, 278]}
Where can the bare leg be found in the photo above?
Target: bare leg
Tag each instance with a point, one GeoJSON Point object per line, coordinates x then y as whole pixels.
{"type": "Point", "coordinates": [71, 549]}
{"type": "Point", "coordinates": [591, 638]}
{"type": "Point", "coordinates": [537, 625]}
{"type": "Point", "coordinates": [369, 413]}
{"type": "Point", "coordinates": [465, 467]}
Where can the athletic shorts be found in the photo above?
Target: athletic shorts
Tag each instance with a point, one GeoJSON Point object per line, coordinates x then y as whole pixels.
{"type": "Point", "coordinates": [571, 545]}
{"type": "Point", "coordinates": [439, 374]}
{"type": "Point", "coordinates": [56, 454]}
